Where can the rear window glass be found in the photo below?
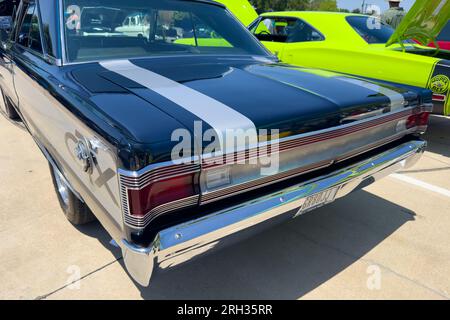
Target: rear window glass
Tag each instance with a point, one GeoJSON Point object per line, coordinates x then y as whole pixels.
{"type": "Point", "coordinates": [370, 31]}
{"type": "Point", "coordinates": [111, 29]}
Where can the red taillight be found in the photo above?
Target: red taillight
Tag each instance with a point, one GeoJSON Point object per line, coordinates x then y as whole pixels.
{"type": "Point", "coordinates": [424, 117]}
{"type": "Point", "coordinates": [439, 97]}
{"type": "Point", "coordinates": [155, 191]}
{"type": "Point", "coordinates": [419, 120]}
{"type": "Point", "coordinates": [141, 202]}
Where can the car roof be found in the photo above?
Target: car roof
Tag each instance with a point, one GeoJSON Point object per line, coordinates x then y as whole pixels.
{"type": "Point", "coordinates": [310, 13]}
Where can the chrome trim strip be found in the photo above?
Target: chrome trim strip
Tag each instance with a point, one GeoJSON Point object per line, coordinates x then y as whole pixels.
{"type": "Point", "coordinates": [259, 183]}
{"type": "Point", "coordinates": [223, 193]}
{"type": "Point", "coordinates": [181, 243]}
{"type": "Point", "coordinates": [208, 157]}
{"type": "Point", "coordinates": [142, 222]}
{"type": "Point", "coordinates": [347, 128]}
{"type": "Point", "coordinates": [427, 107]}
{"type": "Point", "coordinates": [62, 32]}
{"type": "Point", "coordinates": [154, 166]}
{"type": "Point", "coordinates": [157, 175]}
{"type": "Point", "coordinates": [373, 146]}
{"type": "Point", "coordinates": [238, 188]}
{"type": "Point", "coordinates": [269, 58]}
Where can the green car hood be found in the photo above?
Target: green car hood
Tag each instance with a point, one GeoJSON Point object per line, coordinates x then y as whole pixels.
{"type": "Point", "coordinates": [423, 22]}
{"type": "Point", "coordinates": [242, 9]}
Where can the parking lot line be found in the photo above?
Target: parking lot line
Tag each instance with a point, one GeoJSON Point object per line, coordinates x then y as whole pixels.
{"type": "Point", "coordinates": [421, 184]}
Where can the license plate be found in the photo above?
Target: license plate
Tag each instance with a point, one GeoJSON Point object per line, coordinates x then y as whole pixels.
{"type": "Point", "coordinates": [318, 200]}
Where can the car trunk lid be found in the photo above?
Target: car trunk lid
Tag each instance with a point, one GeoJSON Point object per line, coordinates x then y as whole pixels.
{"type": "Point", "coordinates": [243, 93]}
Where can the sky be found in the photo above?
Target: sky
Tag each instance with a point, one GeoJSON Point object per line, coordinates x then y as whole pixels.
{"type": "Point", "coordinates": [383, 4]}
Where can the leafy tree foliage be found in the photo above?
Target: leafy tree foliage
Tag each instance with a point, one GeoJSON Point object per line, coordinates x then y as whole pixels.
{"type": "Point", "coordinates": [282, 5]}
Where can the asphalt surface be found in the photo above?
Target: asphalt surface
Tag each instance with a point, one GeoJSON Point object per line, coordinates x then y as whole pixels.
{"type": "Point", "coordinates": [388, 241]}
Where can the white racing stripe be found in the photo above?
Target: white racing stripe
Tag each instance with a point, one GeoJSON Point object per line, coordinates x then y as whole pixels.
{"type": "Point", "coordinates": [397, 99]}
{"type": "Point", "coordinates": [220, 117]}
{"type": "Point", "coordinates": [421, 184]}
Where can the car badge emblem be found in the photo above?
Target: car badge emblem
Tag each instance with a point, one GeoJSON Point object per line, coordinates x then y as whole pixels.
{"type": "Point", "coordinates": [84, 155]}
{"type": "Point", "coordinates": [440, 84]}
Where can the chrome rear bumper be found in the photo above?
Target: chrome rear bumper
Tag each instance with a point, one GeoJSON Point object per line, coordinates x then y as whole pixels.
{"type": "Point", "coordinates": [181, 243]}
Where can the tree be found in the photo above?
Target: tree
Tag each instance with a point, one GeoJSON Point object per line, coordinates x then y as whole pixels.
{"type": "Point", "coordinates": [324, 5]}
{"type": "Point", "coordinates": [297, 5]}
{"type": "Point", "coordinates": [292, 5]}
{"type": "Point", "coordinates": [280, 5]}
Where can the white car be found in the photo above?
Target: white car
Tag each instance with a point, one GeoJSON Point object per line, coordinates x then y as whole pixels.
{"type": "Point", "coordinates": [135, 25]}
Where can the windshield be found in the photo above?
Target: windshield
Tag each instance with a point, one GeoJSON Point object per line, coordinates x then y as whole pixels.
{"type": "Point", "coordinates": [445, 33]}
{"type": "Point", "coordinates": [371, 29]}
{"type": "Point", "coordinates": [111, 29]}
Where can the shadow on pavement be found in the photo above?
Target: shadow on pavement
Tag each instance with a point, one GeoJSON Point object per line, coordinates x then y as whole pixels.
{"type": "Point", "coordinates": [290, 260]}
{"type": "Point", "coordinates": [96, 230]}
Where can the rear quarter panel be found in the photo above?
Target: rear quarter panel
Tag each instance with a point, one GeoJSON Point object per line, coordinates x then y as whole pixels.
{"type": "Point", "coordinates": [57, 129]}
{"type": "Point", "coordinates": [372, 63]}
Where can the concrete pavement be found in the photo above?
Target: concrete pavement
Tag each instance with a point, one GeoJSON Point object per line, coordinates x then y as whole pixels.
{"type": "Point", "coordinates": [389, 241]}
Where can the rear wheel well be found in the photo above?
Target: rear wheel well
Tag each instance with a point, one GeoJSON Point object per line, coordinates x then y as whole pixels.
{"type": "Point", "coordinates": [74, 208]}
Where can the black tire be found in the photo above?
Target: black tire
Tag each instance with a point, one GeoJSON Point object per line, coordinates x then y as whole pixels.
{"type": "Point", "coordinates": [10, 112]}
{"type": "Point", "coordinates": [76, 211]}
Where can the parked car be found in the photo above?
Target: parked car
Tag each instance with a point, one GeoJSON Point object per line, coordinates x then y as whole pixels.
{"type": "Point", "coordinates": [364, 46]}
{"type": "Point", "coordinates": [181, 149]}
{"type": "Point", "coordinates": [94, 19]}
{"type": "Point", "coordinates": [135, 24]}
{"type": "Point", "coordinates": [242, 9]}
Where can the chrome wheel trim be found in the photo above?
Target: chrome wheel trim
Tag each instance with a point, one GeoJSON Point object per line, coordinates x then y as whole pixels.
{"type": "Point", "coordinates": [63, 189]}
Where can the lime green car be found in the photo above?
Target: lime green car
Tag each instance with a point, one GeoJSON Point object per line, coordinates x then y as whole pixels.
{"type": "Point", "coordinates": [363, 46]}
{"type": "Point", "coordinates": [241, 9]}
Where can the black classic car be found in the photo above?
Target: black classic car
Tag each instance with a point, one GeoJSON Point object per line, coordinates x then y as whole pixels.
{"type": "Point", "coordinates": [180, 145]}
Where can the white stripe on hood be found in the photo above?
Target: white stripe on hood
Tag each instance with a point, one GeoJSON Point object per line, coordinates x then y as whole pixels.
{"type": "Point", "coordinates": [219, 116]}
{"type": "Point", "coordinates": [397, 99]}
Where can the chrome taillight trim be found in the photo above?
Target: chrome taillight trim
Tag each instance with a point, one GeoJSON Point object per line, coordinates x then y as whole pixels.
{"type": "Point", "coordinates": [141, 182]}
{"type": "Point", "coordinates": [142, 222]}
{"type": "Point", "coordinates": [132, 180]}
